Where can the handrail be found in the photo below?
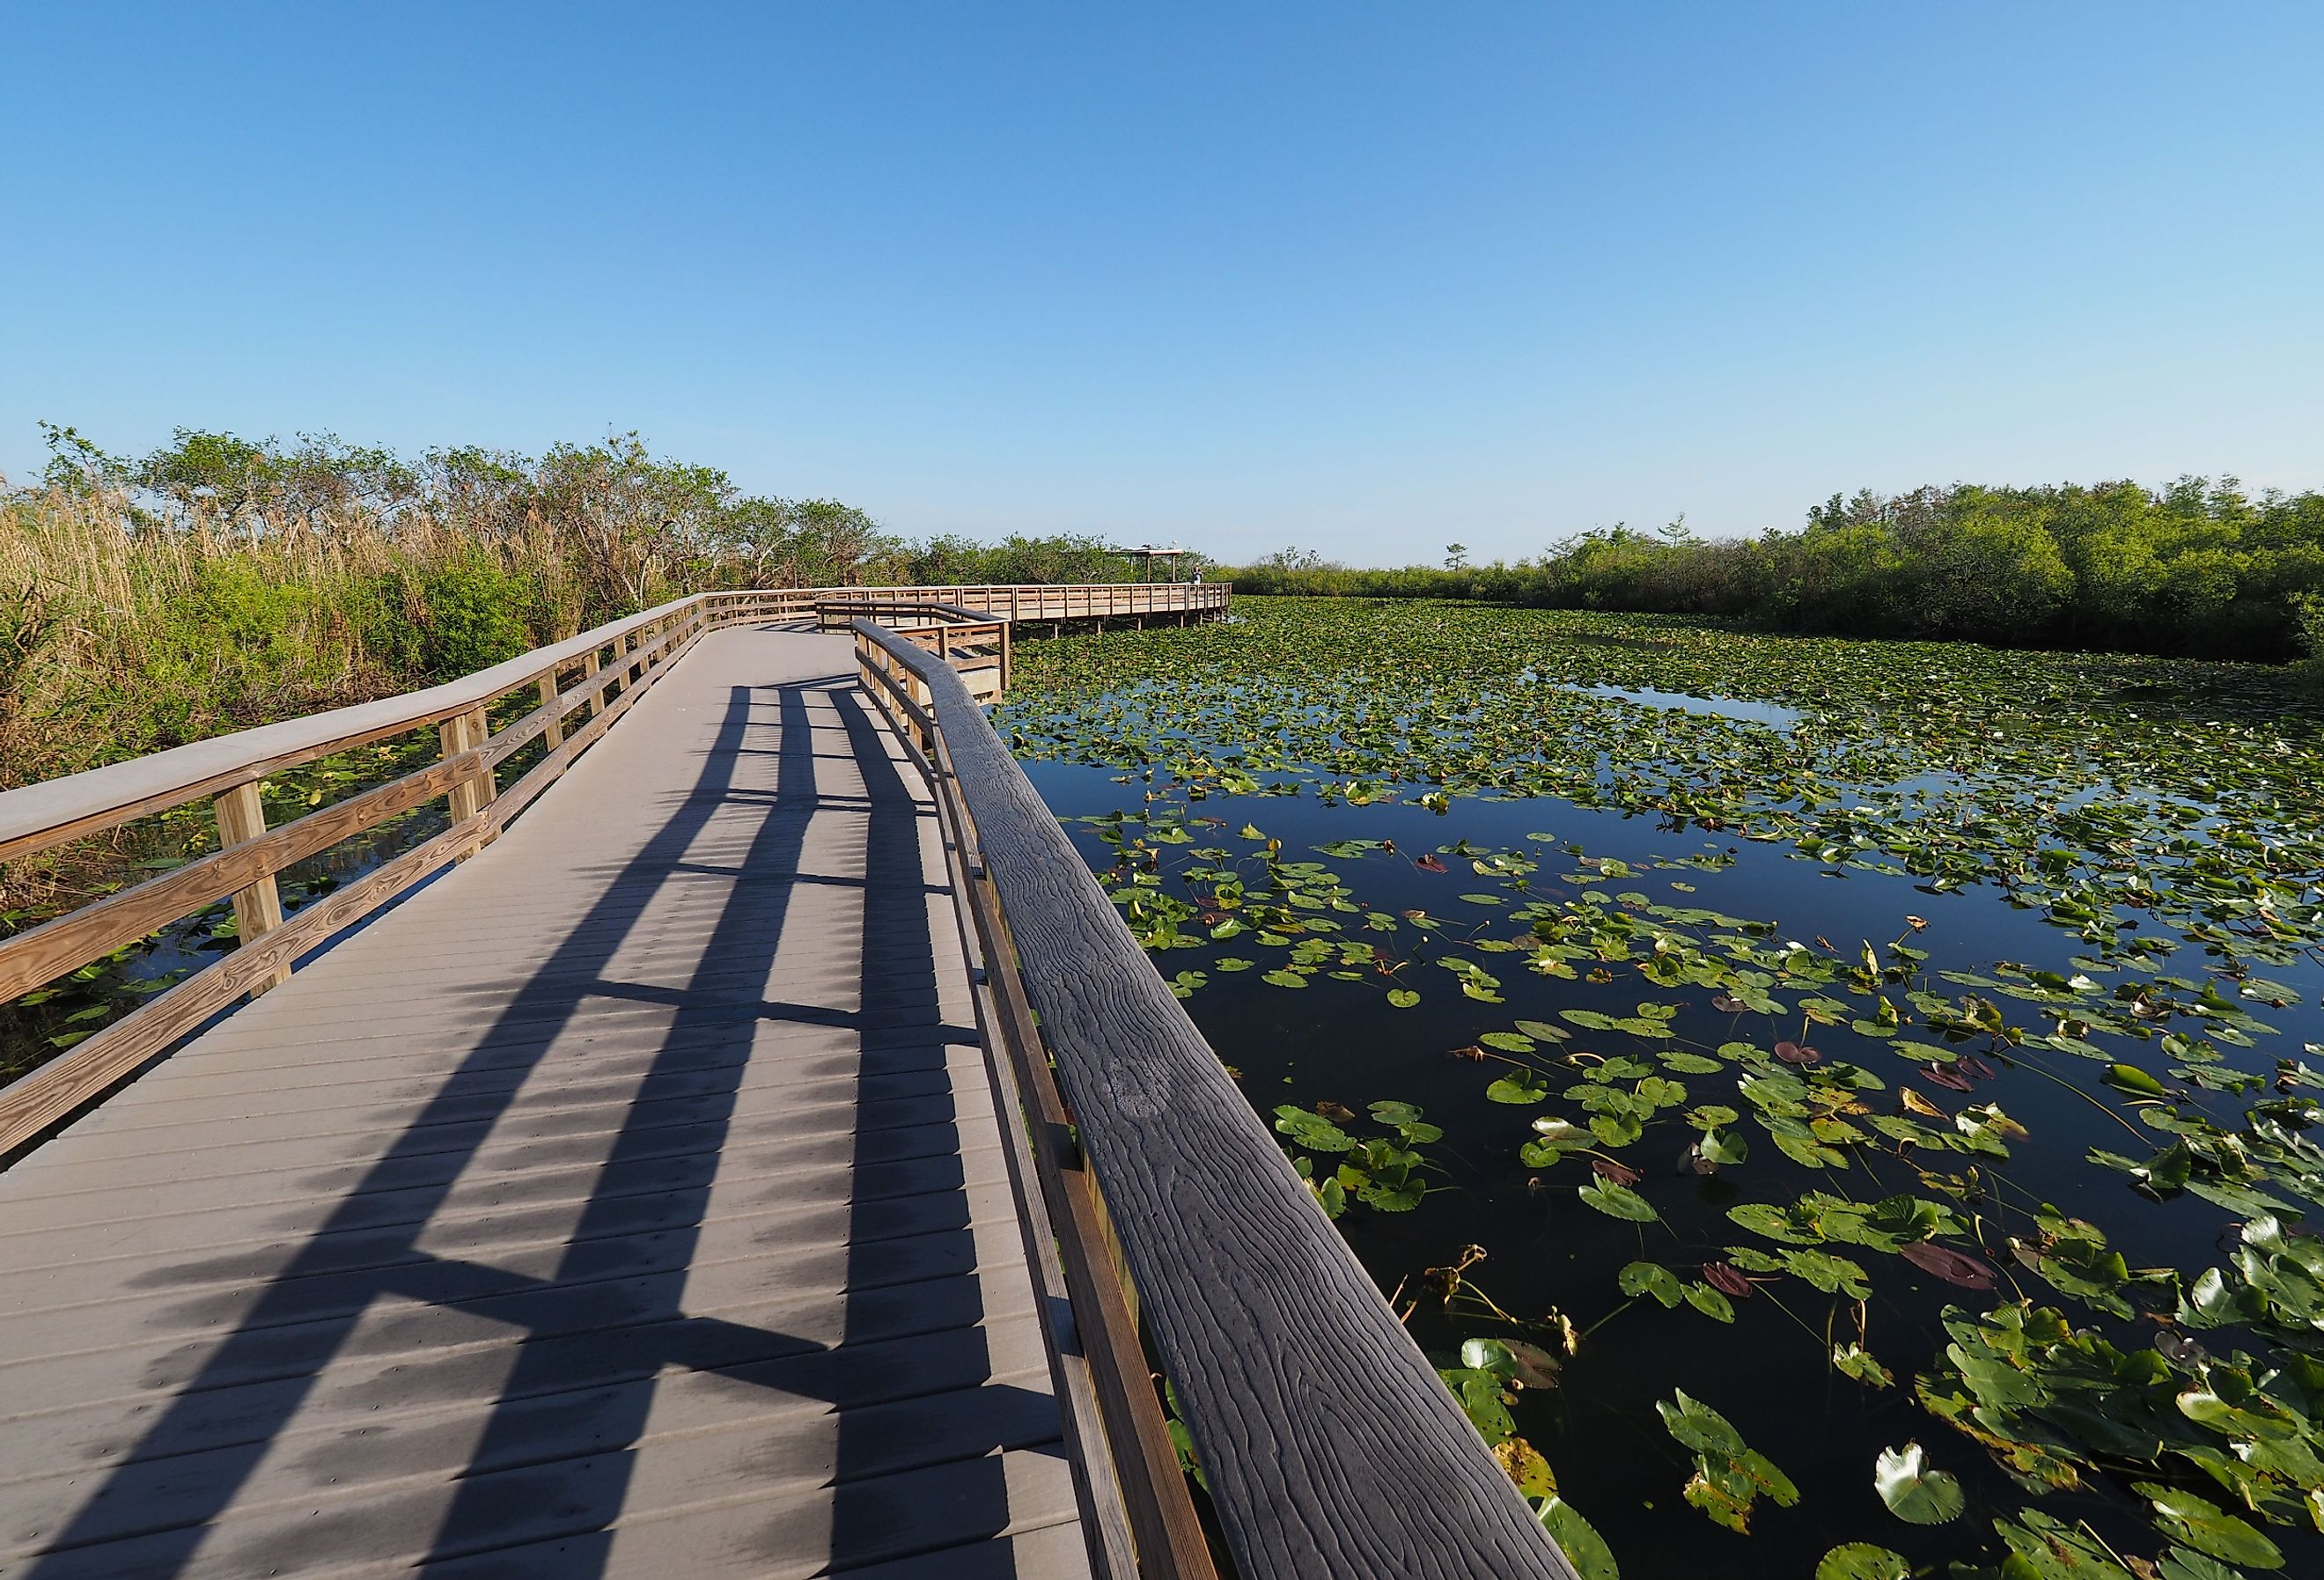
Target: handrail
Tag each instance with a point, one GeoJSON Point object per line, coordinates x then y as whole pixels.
{"type": "Point", "coordinates": [250, 854]}
{"type": "Point", "coordinates": [630, 654]}
{"type": "Point", "coordinates": [37, 817]}
{"type": "Point", "coordinates": [1329, 1447]}
{"type": "Point", "coordinates": [964, 638]}
{"type": "Point", "coordinates": [849, 609]}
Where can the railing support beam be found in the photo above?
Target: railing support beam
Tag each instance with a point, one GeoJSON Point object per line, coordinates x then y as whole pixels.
{"type": "Point", "coordinates": [257, 909]}
{"type": "Point", "coordinates": [469, 795]}
{"type": "Point", "coordinates": [552, 733]}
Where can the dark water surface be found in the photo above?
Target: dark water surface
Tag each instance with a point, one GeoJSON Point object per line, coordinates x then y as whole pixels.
{"type": "Point", "coordinates": [1768, 1372]}
{"type": "Point", "coordinates": [1583, 693]}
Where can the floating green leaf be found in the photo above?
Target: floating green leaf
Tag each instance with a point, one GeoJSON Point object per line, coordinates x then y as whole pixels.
{"type": "Point", "coordinates": [1520, 1086]}
{"type": "Point", "coordinates": [1619, 1201]}
{"type": "Point", "coordinates": [1861, 1560]}
{"type": "Point", "coordinates": [1647, 1278]}
{"type": "Point", "coordinates": [2207, 1527]}
{"type": "Point", "coordinates": [1915, 1491]}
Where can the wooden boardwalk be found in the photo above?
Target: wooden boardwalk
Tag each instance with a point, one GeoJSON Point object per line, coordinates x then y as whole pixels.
{"type": "Point", "coordinates": [627, 1201]}
{"type": "Point", "coordinates": [742, 1138]}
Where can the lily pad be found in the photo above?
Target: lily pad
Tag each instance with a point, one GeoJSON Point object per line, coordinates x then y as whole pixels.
{"type": "Point", "coordinates": [1619, 1201]}
{"type": "Point", "coordinates": [2207, 1527]}
{"type": "Point", "coordinates": [1913, 1490]}
{"type": "Point", "coordinates": [1861, 1560]}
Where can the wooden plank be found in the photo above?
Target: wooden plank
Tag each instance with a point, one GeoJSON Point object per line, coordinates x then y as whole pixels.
{"type": "Point", "coordinates": [93, 1394]}
{"type": "Point", "coordinates": [44, 952]}
{"type": "Point", "coordinates": [461, 736]}
{"type": "Point", "coordinates": [38, 815]}
{"type": "Point", "coordinates": [241, 814]}
{"type": "Point", "coordinates": [1277, 1339]}
{"type": "Point", "coordinates": [35, 1101]}
{"type": "Point", "coordinates": [552, 728]}
{"type": "Point", "coordinates": [80, 1302]}
{"type": "Point", "coordinates": [860, 1331]}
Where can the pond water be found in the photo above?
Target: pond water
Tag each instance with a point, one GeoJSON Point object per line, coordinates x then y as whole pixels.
{"type": "Point", "coordinates": [1997, 1035]}
{"type": "Point", "coordinates": [2040, 933]}
{"type": "Point", "coordinates": [1772, 714]}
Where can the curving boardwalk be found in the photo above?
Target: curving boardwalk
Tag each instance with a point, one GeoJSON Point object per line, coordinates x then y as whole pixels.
{"type": "Point", "coordinates": [628, 1201]}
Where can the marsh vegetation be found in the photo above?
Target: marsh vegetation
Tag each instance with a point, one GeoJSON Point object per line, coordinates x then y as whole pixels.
{"type": "Point", "coordinates": [217, 583]}
{"type": "Point", "coordinates": [2198, 568]}
{"type": "Point", "coordinates": [1846, 1108]}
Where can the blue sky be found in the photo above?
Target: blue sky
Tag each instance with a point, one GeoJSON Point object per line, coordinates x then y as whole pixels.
{"type": "Point", "coordinates": [1364, 278]}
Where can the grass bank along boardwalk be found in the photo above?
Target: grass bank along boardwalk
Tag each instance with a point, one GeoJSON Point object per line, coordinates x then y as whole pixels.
{"type": "Point", "coordinates": [677, 1184]}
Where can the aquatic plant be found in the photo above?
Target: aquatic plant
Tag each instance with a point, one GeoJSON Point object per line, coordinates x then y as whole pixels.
{"type": "Point", "coordinates": [1910, 1023]}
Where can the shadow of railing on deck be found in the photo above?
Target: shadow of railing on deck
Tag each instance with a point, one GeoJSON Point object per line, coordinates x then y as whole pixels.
{"type": "Point", "coordinates": [548, 1475]}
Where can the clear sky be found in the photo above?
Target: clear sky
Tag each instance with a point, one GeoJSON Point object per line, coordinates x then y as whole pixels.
{"type": "Point", "coordinates": [1361, 277]}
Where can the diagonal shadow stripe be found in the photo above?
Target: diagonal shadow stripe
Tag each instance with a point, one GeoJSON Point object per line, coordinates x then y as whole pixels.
{"type": "Point", "coordinates": [179, 1476]}
{"type": "Point", "coordinates": [522, 1035]}
{"type": "Point", "coordinates": [743, 943]}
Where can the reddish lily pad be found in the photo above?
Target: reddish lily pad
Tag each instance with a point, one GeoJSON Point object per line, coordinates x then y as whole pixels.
{"type": "Point", "coordinates": [1952, 1266]}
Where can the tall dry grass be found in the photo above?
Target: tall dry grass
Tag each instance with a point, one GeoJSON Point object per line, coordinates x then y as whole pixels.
{"type": "Point", "coordinates": [121, 634]}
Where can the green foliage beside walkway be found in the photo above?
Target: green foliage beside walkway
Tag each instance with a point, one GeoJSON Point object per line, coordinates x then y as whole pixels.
{"type": "Point", "coordinates": [219, 582]}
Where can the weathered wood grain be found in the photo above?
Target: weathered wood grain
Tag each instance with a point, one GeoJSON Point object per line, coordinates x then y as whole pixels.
{"type": "Point", "coordinates": [629, 1200]}
{"type": "Point", "coordinates": [40, 955]}
{"type": "Point", "coordinates": [240, 816]}
{"type": "Point", "coordinates": [1331, 1448]}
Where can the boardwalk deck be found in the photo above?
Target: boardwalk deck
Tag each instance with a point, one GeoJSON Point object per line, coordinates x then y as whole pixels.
{"type": "Point", "coordinates": [629, 1201]}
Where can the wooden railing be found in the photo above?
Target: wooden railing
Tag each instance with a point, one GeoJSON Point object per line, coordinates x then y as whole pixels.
{"type": "Point", "coordinates": [1329, 1446]}
{"type": "Point", "coordinates": [1060, 605]}
{"type": "Point", "coordinates": [597, 674]}
{"type": "Point", "coordinates": [979, 648]}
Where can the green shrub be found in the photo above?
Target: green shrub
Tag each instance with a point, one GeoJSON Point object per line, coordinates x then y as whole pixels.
{"type": "Point", "coordinates": [2196, 569]}
{"type": "Point", "coordinates": [473, 615]}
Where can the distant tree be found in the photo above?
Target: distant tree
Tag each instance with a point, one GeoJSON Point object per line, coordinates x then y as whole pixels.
{"type": "Point", "coordinates": [1456, 557]}
{"type": "Point", "coordinates": [75, 462]}
{"type": "Point", "coordinates": [1294, 559]}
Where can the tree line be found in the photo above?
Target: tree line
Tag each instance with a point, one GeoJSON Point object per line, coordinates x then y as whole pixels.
{"type": "Point", "coordinates": [2198, 568]}
{"type": "Point", "coordinates": [219, 581]}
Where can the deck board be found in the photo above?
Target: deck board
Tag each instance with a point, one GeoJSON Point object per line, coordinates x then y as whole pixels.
{"type": "Point", "coordinates": [627, 1202]}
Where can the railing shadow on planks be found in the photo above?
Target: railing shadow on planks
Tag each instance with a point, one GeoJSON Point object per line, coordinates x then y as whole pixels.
{"type": "Point", "coordinates": [1151, 1191]}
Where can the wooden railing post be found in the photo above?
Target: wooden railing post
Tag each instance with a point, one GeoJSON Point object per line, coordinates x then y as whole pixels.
{"type": "Point", "coordinates": [552, 734]}
{"type": "Point", "coordinates": [470, 794]}
{"type": "Point", "coordinates": [590, 666]}
{"type": "Point", "coordinates": [242, 814]}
